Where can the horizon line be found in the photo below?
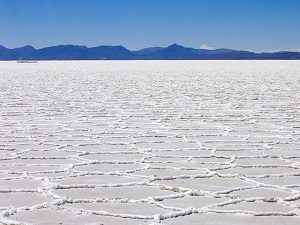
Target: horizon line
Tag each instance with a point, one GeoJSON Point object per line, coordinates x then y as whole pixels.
{"type": "Point", "coordinates": [208, 48]}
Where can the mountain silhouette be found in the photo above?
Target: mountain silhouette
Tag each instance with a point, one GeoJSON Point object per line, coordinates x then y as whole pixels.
{"type": "Point", "coordinates": [172, 52]}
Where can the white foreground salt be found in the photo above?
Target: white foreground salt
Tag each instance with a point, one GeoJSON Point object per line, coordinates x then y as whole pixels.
{"type": "Point", "coordinates": [150, 142]}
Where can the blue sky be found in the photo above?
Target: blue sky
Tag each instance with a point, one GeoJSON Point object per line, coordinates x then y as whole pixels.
{"type": "Point", "coordinates": [238, 24]}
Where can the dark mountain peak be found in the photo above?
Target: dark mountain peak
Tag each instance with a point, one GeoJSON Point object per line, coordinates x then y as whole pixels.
{"type": "Point", "coordinates": [74, 46]}
{"type": "Point", "coordinates": [179, 48]}
{"type": "Point", "coordinates": [107, 47]}
{"type": "Point", "coordinates": [120, 47]}
{"type": "Point", "coordinates": [78, 46]}
{"type": "Point", "coordinates": [26, 48]}
{"type": "Point", "coordinates": [65, 47]}
{"type": "Point", "coordinates": [175, 46]}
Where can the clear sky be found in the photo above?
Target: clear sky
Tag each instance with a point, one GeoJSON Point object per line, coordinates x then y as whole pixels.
{"type": "Point", "coordinates": [238, 24]}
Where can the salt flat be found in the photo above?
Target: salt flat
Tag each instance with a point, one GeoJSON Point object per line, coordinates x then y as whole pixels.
{"type": "Point", "coordinates": [150, 142]}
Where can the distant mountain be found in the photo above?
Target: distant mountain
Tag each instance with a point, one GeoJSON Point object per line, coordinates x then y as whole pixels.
{"type": "Point", "coordinates": [60, 52]}
{"type": "Point", "coordinates": [148, 50]}
{"type": "Point", "coordinates": [110, 52]}
{"type": "Point", "coordinates": [172, 52]}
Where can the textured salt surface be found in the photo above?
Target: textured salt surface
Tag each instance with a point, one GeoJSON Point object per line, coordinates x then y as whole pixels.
{"type": "Point", "coordinates": [158, 142]}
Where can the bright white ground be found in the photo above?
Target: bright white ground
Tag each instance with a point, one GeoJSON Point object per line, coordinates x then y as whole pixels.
{"type": "Point", "coordinates": [135, 142]}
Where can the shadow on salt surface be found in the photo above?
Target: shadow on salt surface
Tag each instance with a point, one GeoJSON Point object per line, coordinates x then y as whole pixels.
{"type": "Point", "coordinates": [203, 130]}
{"type": "Point", "coordinates": [107, 167]}
{"type": "Point", "coordinates": [100, 148]}
{"type": "Point", "coordinates": [286, 150]}
{"type": "Point", "coordinates": [40, 161]}
{"type": "Point", "coordinates": [165, 159]}
{"type": "Point", "coordinates": [17, 148]}
{"type": "Point", "coordinates": [179, 164]}
{"type": "Point", "coordinates": [295, 159]}
{"type": "Point", "coordinates": [228, 219]}
{"type": "Point", "coordinates": [72, 141]}
{"type": "Point", "coordinates": [167, 172]}
{"type": "Point", "coordinates": [130, 192]}
{"type": "Point", "coordinates": [7, 175]}
{"type": "Point", "coordinates": [115, 140]}
{"type": "Point", "coordinates": [31, 168]}
{"type": "Point", "coordinates": [252, 171]}
{"type": "Point", "coordinates": [183, 153]}
{"type": "Point", "coordinates": [138, 208]}
{"type": "Point", "coordinates": [192, 202]}
{"type": "Point", "coordinates": [129, 156]}
{"type": "Point", "coordinates": [53, 153]}
{"type": "Point", "coordinates": [283, 181]}
{"type": "Point", "coordinates": [239, 153]}
{"type": "Point", "coordinates": [21, 199]}
{"type": "Point", "coordinates": [4, 153]}
{"type": "Point", "coordinates": [215, 139]}
{"type": "Point", "coordinates": [210, 160]}
{"type": "Point", "coordinates": [16, 142]}
{"type": "Point", "coordinates": [64, 217]}
{"type": "Point", "coordinates": [260, 161]}
{"type": "Point", "coordinates": [257, 207]}
{"type": "Point", "coordinates": [20, 183]}
{"type": "Point", "coordinates": [97, 180]}
{"type": "Point", "coordinates": [235, 146]}
{"type": "Point", "coordinates": [168, 145]}
{"type": "Point", "coordinates": [157, 139]}
{"type": "Point", "coordinates": [207, 184]}
{"type": "Point", "coordinates": [261, 192]}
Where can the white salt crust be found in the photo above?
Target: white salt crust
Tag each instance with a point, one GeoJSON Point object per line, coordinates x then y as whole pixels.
{"type": "Point", "coordinates": [150, 142]}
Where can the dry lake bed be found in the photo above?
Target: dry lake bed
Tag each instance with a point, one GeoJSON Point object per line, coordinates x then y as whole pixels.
{"type": "Point", "coordinates": [150, 142]}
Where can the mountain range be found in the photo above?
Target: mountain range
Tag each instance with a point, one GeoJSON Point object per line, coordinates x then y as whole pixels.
{"type": "Point", "coordinates": [172, 52]}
